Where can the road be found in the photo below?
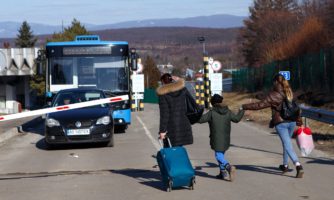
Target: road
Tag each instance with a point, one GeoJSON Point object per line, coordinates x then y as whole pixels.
{"type": "Point", "coordinates": [128, 171]}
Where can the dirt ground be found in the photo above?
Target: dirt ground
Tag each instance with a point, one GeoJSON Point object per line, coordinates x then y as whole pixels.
{"type": "Point", "coordinates": [323, 134]}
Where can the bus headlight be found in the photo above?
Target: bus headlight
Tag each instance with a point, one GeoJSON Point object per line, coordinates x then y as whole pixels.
{"type": "Point", "coordinates": [103, 120]}
{"type": "Point", "coordinates": [52, 122]}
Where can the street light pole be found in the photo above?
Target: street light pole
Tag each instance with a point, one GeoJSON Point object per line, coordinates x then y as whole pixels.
{"type": "Point", "coordinates": [202, 41]}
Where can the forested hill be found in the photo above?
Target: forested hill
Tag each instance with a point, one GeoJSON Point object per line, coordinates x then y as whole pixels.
{"type": "Point", "coordinates": [176, 45]}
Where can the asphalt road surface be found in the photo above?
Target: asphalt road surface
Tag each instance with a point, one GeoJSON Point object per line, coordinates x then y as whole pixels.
{"type": "Point", "coordinates": [128, 171]}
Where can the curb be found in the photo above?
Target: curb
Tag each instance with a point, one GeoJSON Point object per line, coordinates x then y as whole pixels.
{"type": "Point", "coordinates": [9, 134]}
{"type": "Point", "coordinates": [19, 129]}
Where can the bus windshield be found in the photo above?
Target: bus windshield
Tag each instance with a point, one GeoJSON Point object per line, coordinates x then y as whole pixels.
{"type": "Point", "coordinates": [103, 72]}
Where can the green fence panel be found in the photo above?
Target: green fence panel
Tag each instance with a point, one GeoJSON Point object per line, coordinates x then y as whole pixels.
{"type": "Point", "coordinates": [150, 96]}
{"type": "Point", "coordinates": [309, 72]}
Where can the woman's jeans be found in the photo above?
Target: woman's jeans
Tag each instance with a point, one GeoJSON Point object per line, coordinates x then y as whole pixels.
{"type": "Point", "coordinates": [285, 131]}
{"type": "Point", "coordinates": [220, 157]}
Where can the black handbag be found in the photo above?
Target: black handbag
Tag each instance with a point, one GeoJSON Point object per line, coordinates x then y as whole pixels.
{"type": "Point", "coordinates": [290, 110]}
{"type": "Point", "coordinates": [194, 112]}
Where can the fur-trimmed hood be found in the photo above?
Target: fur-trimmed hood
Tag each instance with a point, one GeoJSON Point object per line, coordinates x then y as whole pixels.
{"type": "Point", "coordinates": [171, 87]}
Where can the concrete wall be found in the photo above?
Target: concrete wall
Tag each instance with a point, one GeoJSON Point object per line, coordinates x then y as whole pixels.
{"type": "Point", "coordinates": [16, 67]}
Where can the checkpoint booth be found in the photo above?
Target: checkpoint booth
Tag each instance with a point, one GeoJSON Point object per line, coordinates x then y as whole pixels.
{"type": "Point", "coordinates": [16, 67]}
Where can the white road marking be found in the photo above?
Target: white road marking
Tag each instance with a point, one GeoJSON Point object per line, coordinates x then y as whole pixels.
{"type": "Point", "coordinates": [149, 135]}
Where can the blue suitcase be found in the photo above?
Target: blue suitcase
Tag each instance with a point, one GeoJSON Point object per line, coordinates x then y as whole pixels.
{"type": "Point", "coordinates": [175, 167]}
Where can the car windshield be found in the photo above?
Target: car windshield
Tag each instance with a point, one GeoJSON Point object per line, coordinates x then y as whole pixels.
{"type": "Point", "coordinates": [70, 97]}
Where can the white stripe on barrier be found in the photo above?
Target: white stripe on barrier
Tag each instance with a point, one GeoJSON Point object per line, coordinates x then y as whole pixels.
{"type": "Point", "coordinates": [64, 107]}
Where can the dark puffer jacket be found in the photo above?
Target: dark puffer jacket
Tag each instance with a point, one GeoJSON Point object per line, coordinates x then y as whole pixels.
{"type": "Point", "coordinates": [274, 100]}
{"type": "Point", "coordinates": [173, 117]}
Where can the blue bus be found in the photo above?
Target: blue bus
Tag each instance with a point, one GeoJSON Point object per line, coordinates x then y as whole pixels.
{"type": "Point", "coordinates": [90, 62]}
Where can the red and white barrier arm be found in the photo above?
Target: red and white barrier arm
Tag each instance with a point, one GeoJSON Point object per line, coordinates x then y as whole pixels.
{"type": "Point", "coordinates": [64, 107]}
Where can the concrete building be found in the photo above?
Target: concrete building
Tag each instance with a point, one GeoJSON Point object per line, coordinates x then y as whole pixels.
{"type": "Point", "coordinates": [16, 67]}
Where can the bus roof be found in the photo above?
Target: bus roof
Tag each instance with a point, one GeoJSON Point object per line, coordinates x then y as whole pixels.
{"type": "Point", "coordinates": [86, 40]}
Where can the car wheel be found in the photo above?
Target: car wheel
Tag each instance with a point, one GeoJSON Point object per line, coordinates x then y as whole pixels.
{"type": "Point", "coordinates": [111, 141]}
{"type": "Point", "coordinates": [48, 146]}
{"type": "Point", "coordinates": [121, 128]}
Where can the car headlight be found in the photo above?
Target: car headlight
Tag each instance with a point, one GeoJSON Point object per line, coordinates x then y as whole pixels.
{"type": "Point", "coordinates": [103, 120]}
{"type": "Point", "coordinates": [52, 122]}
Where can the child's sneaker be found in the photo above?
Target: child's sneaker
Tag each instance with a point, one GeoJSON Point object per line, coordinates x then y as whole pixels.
{"type": "Point", "coordinates": [231, 171]}
{"type": "Point", "coordinates": [284, 168]}
{"type": "Point", "coordinates": [300, 171]}
{"type": "Point", "coordinates": [222, 175]}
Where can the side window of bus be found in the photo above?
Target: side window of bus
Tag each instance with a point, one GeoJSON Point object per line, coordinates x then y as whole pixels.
{"type": "Point", "coordinates": [62, 72]}
{"type": "Point", "coordinates": [58, 74]}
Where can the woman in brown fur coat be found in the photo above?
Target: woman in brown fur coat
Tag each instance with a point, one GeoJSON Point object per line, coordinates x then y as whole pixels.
{"type": "Point", "coordinates": [173, 120]}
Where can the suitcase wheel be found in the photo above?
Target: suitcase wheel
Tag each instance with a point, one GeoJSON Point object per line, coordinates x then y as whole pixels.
{"type": "Point", "coordinates": [192, 183]}
{"type": "Point", "coordinates": [169, 185]}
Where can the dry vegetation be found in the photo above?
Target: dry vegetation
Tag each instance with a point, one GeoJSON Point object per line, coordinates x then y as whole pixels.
{"type": "Point", "coordinates": [306, 39]}
{"type": "Point", "coordinates": [283, 29]}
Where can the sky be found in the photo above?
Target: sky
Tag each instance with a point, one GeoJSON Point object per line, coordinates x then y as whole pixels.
{"type": "Point", "coordinates": [56, 12]}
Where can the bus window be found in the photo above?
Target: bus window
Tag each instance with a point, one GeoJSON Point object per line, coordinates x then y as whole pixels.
{"type": "Point", "coordinates": [86, 71]}
{"type": "Point", "coordinates": [114, 79]}
{"type": "Point", "coordinates": [62, 72]}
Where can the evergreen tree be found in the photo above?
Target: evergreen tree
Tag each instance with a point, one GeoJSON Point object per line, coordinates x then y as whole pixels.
{"type": "Point", "coordinates": [70, 32]}
{"type": "Point", "coordinates": [151, 73]}
{"type": "Point", "coordinates": [37, 82]}
{"type": "Point", "coordinates": [287, 5]}
{"type": "Point", "coordinates": [25, 38]}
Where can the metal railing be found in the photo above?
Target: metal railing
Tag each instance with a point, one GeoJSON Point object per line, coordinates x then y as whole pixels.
{"type": "Point", "coordinates": [317, 114]}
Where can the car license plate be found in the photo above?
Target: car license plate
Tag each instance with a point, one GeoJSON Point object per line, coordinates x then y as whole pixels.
{"type": "Point", "coordinates": [78, 132]}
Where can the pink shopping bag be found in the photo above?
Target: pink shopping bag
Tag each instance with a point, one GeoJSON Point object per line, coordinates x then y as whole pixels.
{"type": "Point", "coordinates": [305, 140]}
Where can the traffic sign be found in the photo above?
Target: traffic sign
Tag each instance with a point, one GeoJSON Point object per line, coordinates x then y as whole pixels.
{"type": "Point", "coordinates": [286, 74]}
{"type": "Point", "coordinates": [138, 95]}
{"type": "Point", "coordinates": [216, 66]}
{"type": "Point", "coordinates": [138, 83]}
{"type": "Point", "coordinates": [216, 82]}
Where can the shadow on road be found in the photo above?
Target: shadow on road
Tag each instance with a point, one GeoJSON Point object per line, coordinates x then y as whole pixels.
{"type": "Point", "coordinates": [43, 146]}
{"type": "Point", "coordinates": [254, 149]}
{"type": "Point", "coordinates": [199, 172]}
{"type": "Point", "coordinates": [34, 126]}
{"type": "Point", "coordinates": [323, 161]}
{"type": "Point", "coordinates": [145, 177]}
{"type": "Point", "coordinates": [262, 169]}
{"type": "Point", "coordinates": [253, 168]}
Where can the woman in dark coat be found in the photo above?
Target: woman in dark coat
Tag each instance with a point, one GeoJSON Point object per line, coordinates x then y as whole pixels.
{"type": "Point", "coordinates": [173, 120]}
{"type": "Point", "coordinates": [284, 128]}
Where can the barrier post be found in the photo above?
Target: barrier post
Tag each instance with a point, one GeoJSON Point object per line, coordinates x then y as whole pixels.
{"type": "Point", "coordinates": [206, 81]}
{"type": "Point", "coordinates": [202, 93]}
{"type": "Point", "coordinates": [197, 84]}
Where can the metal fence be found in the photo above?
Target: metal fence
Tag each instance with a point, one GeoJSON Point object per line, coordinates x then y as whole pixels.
{"type": "Point", "coordinates": [309, 72]}
{"type": "Point", "coordinates": [150, 96]}
{"type": "Point", "coordinates": [317, 114]}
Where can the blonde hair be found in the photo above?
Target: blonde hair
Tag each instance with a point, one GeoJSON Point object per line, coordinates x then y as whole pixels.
{"type": "Point", "coordinates": [287, 90]}
{"type": "Point", "coordinates": [286, 86]}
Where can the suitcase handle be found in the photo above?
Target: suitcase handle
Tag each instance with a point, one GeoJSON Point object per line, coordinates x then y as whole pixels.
{"type": "Point", "coordinates": [161, 142]}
